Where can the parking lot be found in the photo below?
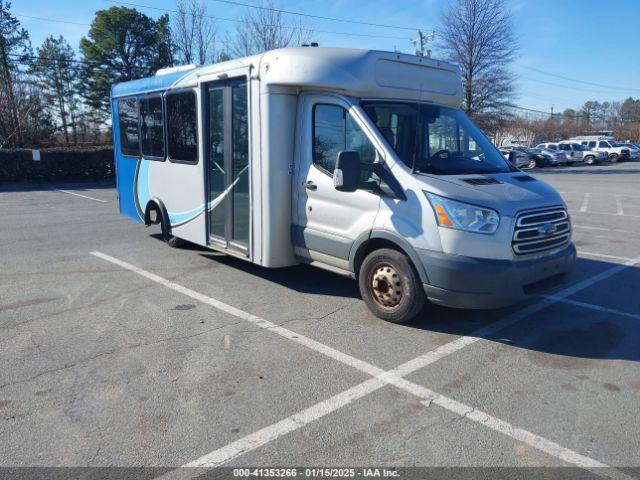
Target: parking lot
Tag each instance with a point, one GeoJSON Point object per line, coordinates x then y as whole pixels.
{"type": "Point", "coordinates": [120, 351]}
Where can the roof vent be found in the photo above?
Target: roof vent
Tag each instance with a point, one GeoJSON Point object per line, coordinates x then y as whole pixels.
{"type": "Point", "coordinates": [524, 178]}
{"type": "Point", "coordinates": [481, 181]}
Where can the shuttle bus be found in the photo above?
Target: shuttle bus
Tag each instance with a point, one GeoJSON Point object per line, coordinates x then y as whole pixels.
{"type": "Point", "coordinates": [360, 162]}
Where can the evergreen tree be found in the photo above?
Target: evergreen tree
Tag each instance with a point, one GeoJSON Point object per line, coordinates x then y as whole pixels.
{"type": "Point", "coordinates": [123, 44]}
{"type": "Point", "coordinates": [56, 71]}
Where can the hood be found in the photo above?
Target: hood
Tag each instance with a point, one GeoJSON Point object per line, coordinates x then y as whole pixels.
{"type": "Point", "coordinates": [508, 197]}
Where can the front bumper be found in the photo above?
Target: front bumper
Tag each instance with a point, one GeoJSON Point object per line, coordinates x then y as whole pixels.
{"type": "Point", "coordinates": [478, 283]}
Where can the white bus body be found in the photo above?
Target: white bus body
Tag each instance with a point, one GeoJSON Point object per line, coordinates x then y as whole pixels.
{"type": "Point", "coordinates": [242, 157]}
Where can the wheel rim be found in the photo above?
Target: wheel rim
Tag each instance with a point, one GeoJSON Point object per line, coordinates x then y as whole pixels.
{"type": "Point", "coordinates": [532, 164]}
{"type": "Point", "coordinates": [386, 286]}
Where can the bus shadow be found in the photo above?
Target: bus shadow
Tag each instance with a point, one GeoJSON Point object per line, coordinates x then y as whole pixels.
{"type": "Point", "coordinates": [564, 330]}
{"type": "Point", "coordinates": [299, 278]}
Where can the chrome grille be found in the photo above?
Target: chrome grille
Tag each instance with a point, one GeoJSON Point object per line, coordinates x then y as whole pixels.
{"type": "Point", "coordinates": [540, 230]}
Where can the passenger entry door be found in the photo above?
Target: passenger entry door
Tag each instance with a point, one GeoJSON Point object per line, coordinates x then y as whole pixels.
{"type": "Point", "coordinates": [228, 165]}
{"type": "Point", "coordinates": [327, 221]}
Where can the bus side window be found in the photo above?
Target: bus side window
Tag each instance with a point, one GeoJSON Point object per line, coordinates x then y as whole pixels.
{"type": "Point", "coordinates": [128, 126]}
{"type": "Point", "coordinates": [152, 128]}
{"type": "Point", "coordinates": [182, 127]}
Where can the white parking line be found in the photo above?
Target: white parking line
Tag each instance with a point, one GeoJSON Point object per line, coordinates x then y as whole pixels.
{"type": "Point", "coordinates": [604, 255]}
{"type": "Point", "coordinates": [591, 306]}
{"type": "Point", "coordinates": [78, 195]}
{"type": "Point", "coordinates": [619, 205]}
{"type": "Point", "coordinates": [607, 213]}
{"type": "Point", "coordinates": [588, 227]}
{"type": "Point", "coordinates": [381, 378]}
{"type": "Point", "coordinates": [599, 194]}
{"type": "Point", "coordinates": [585, 202]}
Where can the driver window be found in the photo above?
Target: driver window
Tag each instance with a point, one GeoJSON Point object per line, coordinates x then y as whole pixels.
{"type": "Point", "coordinates": [443, 135]}
{"type": "Point", "coordinates": [334, 130]}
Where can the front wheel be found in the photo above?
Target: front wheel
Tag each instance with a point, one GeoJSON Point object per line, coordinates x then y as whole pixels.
{"type": "Point", "coordinates": [589, 159]}
{"type": "Point", "coordinates": [533, 163]}
{"type": "Point", "coordinates": [613, 158]}
{"type": "Point", "coordinates": [390, 286]}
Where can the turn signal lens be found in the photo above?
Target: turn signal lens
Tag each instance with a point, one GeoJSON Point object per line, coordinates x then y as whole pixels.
{"type": "Point", "coordinates": [443, 219]}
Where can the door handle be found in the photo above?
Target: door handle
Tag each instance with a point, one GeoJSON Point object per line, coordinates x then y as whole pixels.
{"type": "Point", "coordinates": [311, 186]}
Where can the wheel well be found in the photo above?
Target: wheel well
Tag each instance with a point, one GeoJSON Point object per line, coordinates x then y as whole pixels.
{"type": "Point", "coordinates": [148, 219]}
{"type": "Point", "coordinates": [370, 246]}
{"type": "Point", "coordinates": [161, 217]}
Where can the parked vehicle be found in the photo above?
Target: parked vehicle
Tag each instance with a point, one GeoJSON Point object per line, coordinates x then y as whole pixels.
{"type": "Point", "coordinates": [571, 156]}
{"type": "Point", "coordinates": [553, 154]}
{"type": "Point", "coordinates": [592, 157]}
{"type": "Point", "coordinates": [356, 161]}
{"type": "Point", "coordinates": [634, 150]}
{"type": "Point", "coordinates": [536, 156]}
{"type": "Point", "coordinates": [573, 151]}
{"type": "Point", "coordinates": [517, 158]}
{"type": "Point", "coordinates": [614, 151]}
{"type": "Point", "coordinates": [595, 135]}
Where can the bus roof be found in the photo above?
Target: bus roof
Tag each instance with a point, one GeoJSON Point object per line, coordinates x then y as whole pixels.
{"type": "Point", "coordinates": [359, 73]}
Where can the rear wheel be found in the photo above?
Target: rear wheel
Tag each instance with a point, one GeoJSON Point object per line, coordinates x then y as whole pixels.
{"type": "Point", "coordinates": [533, 163]}
{"type": "Point", "coordinates": [589, 159]}
{"type": "Point", "coordinates": [614, 157]}
{"type": "Point", "coordinates": [390, 286]}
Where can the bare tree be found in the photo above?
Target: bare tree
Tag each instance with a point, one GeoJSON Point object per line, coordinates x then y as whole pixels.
{"type": "Point", "coordinates": [264, 28]}
{"type": "Point", "coordinates": [194, 33]}
{"type": "Point", "coordinates": [478, 35]}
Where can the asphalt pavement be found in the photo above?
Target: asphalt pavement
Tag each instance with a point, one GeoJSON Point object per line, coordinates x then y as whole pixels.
{"type": "Point", "coordinates": [117, 350]}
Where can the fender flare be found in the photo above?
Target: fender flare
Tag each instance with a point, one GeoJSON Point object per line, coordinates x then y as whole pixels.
{"type": "Point", "coordinates": [403, 245]}
{"type": "Point", "coordinates": [164, 216]}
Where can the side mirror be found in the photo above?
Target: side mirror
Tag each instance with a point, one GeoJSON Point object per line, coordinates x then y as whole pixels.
{"type": "Point", "coordinates": [512, 157]}
{"type": "Point", "coordinates": [346, 175]}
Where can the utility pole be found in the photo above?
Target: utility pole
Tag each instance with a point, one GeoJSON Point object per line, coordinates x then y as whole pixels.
{"type": "Point", "coordinates": [420, 42]}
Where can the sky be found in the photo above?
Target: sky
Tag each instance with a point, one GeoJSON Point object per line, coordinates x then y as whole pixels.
{"type": "Point", "coordinates": [593, 44]}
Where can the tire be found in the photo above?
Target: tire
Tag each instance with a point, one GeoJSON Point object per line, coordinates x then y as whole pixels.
{"type": "Point", "coordinates": [380, 270]}
{"type": "Point", "coordinates": [589, 159]}
{"type": "Point", "coordinates": [532, 163]}
{"type": "Point", "coordinates": [175, 242]}
{"type": "Point", "coordinates": [614, 157]}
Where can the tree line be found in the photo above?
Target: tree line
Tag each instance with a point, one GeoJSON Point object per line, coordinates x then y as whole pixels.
{"type": "Point", "coordinates": [56, 94]}
{"type": "Point", "coordinates": [53, 96]}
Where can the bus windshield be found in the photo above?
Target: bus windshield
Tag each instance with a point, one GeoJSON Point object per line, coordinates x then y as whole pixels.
{"type": "Point", "coordinates": [435, 140]}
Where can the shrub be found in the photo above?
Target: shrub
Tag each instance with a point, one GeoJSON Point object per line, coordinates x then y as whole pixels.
{"type": "Point", "coordinates": [57, 165]}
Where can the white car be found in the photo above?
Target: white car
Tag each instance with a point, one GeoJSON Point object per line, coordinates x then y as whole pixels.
{"type": "Point", "coordinates": [591, 157]}
{"type": "Point", "coordinates": [581, 153]}
{"type": "Point", "coordinates": [565, 150]}
{"type": "Point", "coordinates": [573, 151]}
{"type": "Point", "coordinates": [558, 157]}
{"type": "Point", "coordinates": [615, 151]}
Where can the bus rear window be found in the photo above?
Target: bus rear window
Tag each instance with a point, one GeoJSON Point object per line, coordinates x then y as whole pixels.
{"type": "Point", "coordinates": [152, 127]}
{"type": "Point", "coordinates": [128, 126]}
{"type": "Point", "coordinates": [182, 127]}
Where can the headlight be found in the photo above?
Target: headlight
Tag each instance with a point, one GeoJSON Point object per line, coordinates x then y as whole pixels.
{"type": "Point", "coordinates": [462, 216]}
